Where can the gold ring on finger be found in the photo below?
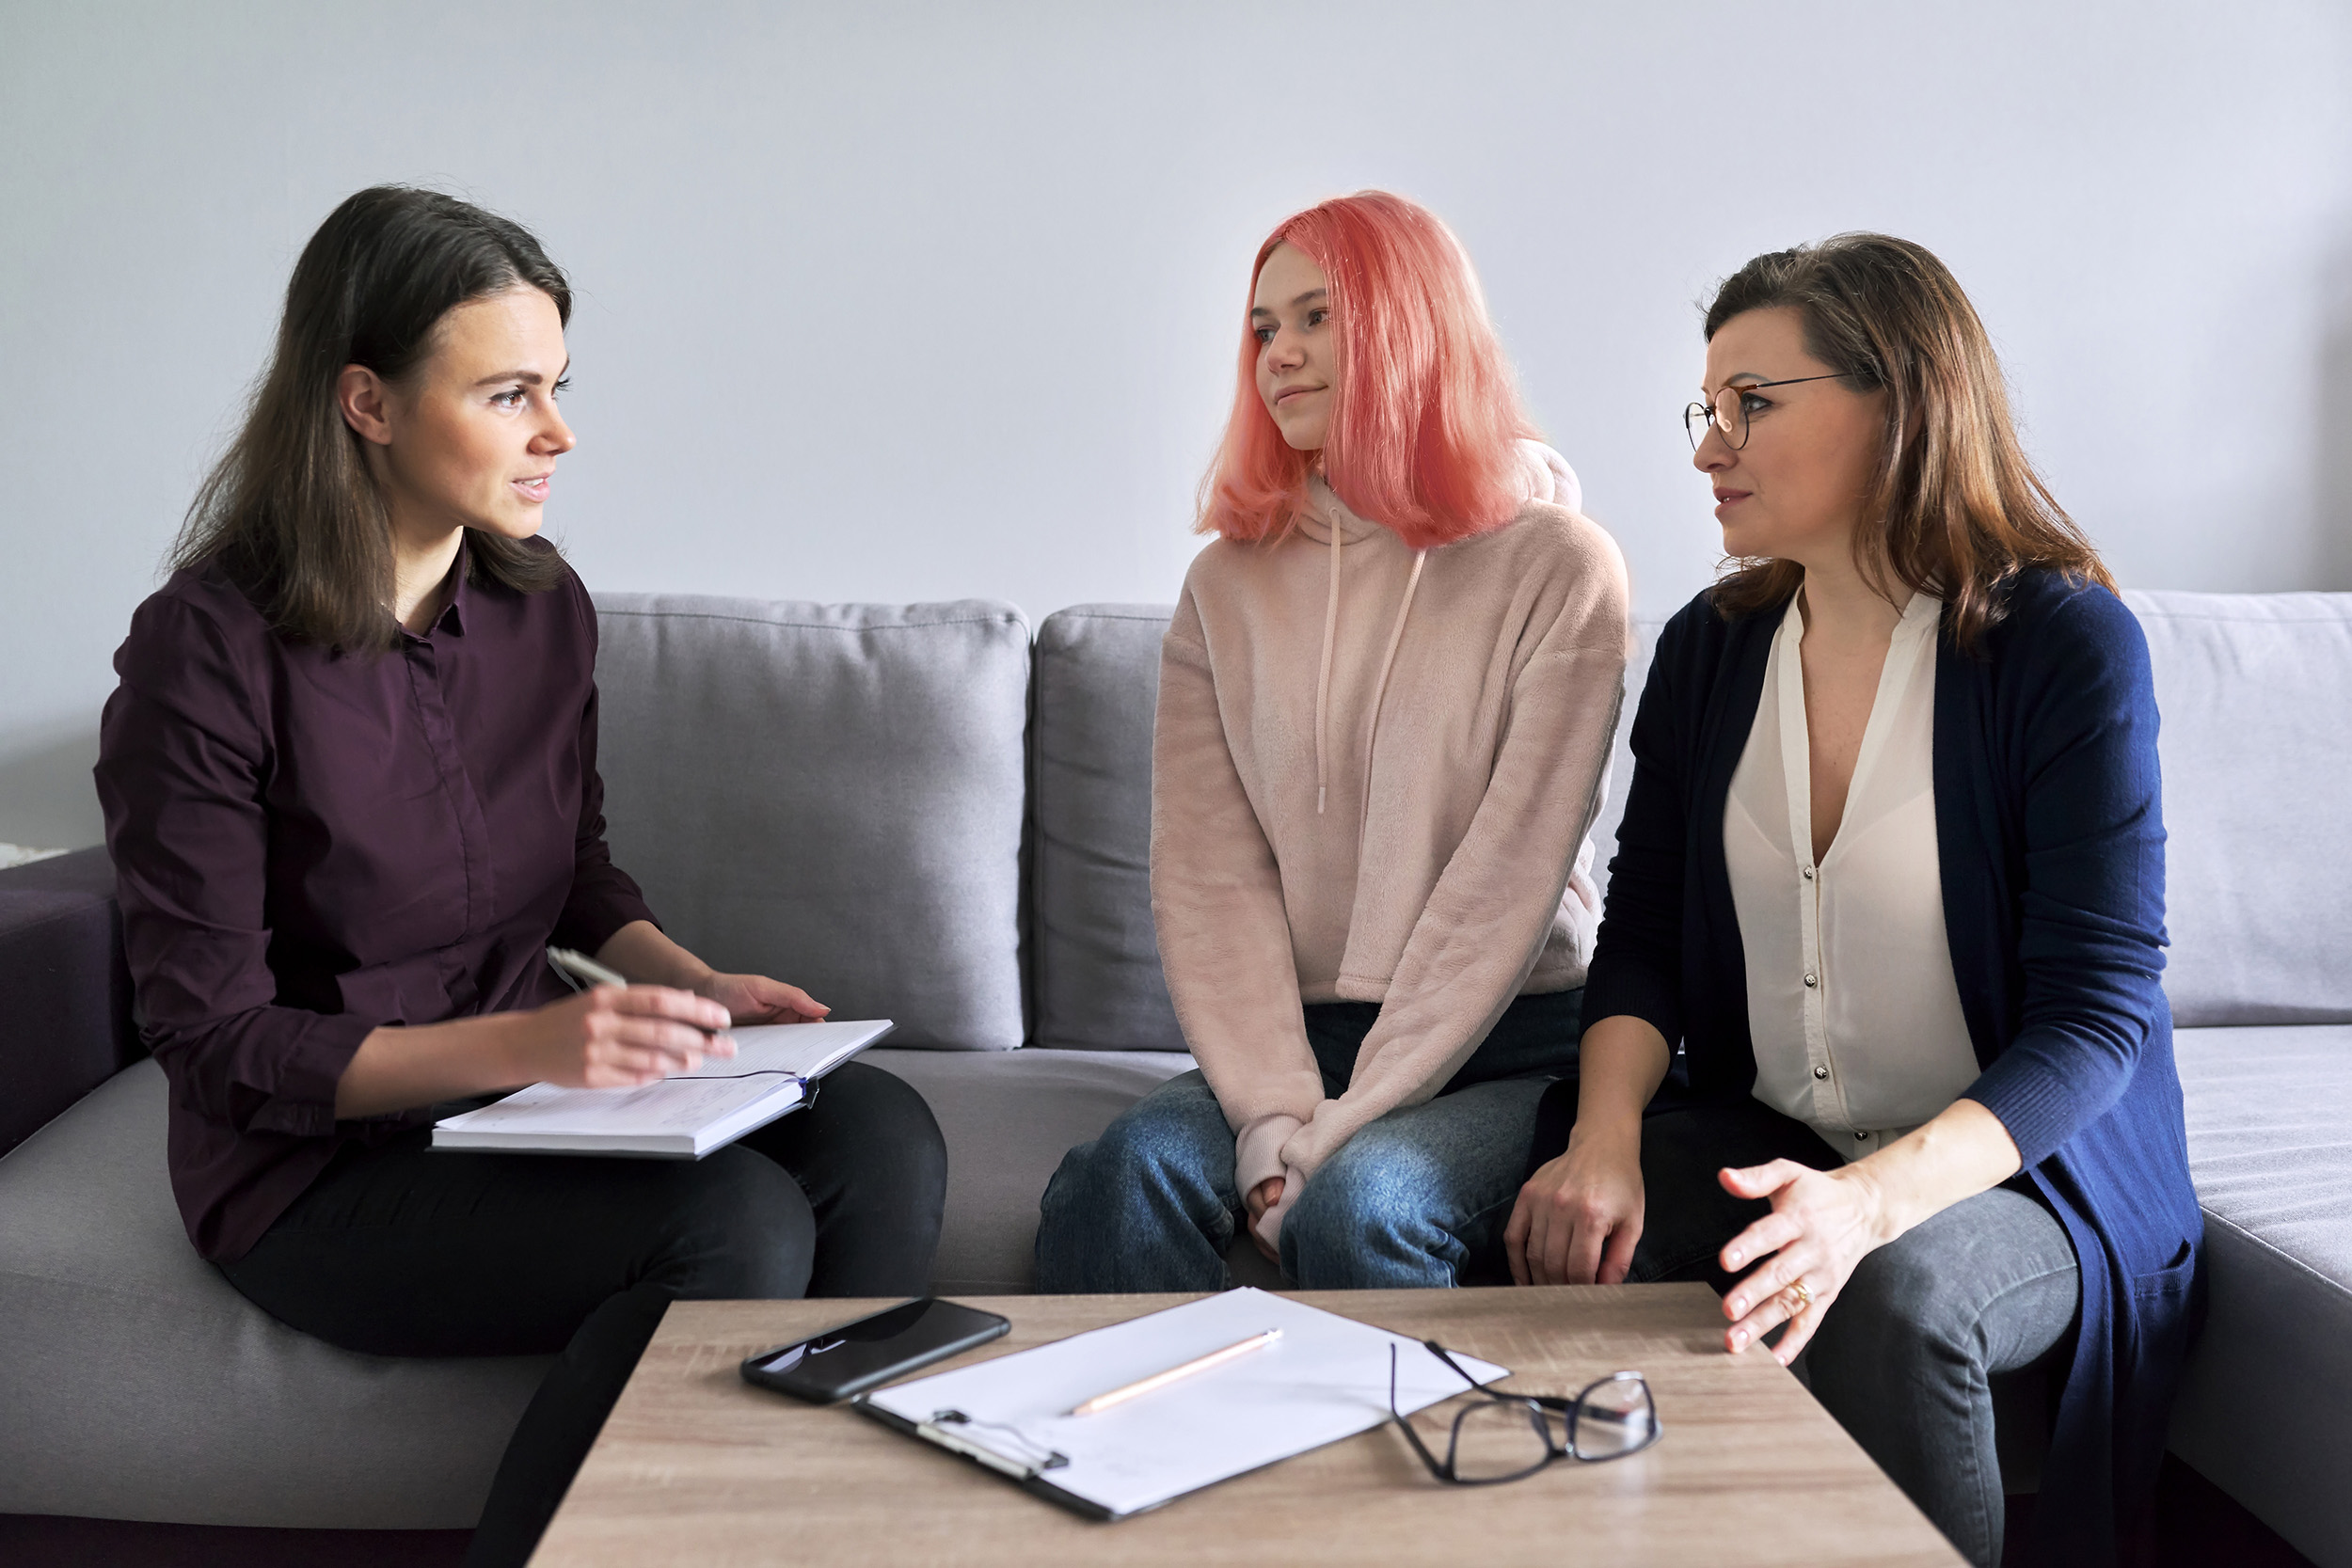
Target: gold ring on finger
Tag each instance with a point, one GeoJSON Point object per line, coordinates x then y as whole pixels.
{"type": "Point", "coordinates": [1804, 1293]}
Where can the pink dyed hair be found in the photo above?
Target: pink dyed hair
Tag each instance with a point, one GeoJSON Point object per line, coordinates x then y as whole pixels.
{"type": "Point", "coordinates": [1425, 412]}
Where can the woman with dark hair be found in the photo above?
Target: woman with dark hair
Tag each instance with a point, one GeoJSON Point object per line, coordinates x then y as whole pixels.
{"type": "Point", "coordinates": [1385, 708]}
{"type": "Point", "coordinates": [350, 784]}
{"type": "Point", "coordinates": [1876, 1040]}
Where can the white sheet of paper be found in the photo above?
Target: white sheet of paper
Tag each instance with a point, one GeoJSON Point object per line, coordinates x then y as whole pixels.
{"type": "Point", "coordinates": [1327, 1378]}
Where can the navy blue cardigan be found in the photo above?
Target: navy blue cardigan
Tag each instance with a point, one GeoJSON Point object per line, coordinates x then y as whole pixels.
{"type": "Point", "coordinates": [2050, 829]}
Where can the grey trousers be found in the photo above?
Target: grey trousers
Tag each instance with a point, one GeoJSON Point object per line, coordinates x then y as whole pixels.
{"type": "Point", "coordinates": [1903, 1357]}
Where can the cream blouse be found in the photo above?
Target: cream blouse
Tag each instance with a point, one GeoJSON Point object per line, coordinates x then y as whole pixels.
{"type": "Point", "coordinates": [1851, 1004]}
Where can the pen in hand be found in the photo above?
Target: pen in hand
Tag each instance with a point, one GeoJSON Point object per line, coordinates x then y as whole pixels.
{"type": "Point", "coordinates": [584, 971]}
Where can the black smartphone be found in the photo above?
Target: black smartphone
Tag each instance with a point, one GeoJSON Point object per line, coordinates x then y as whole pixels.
{"type": "Point", "coordinates": [857, 1355]}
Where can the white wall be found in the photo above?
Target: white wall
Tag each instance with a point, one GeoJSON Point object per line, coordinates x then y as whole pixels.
{"type": "Point", "coordinates": [921, 301]}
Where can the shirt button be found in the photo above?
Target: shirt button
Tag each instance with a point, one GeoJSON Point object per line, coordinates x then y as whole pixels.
{"type": "Point", "coordinates": [1862, 1137]}
{"type": "Point", "coordinates": [1821, 1072]}
{"type": "Point", "coordinates": [1812, 980]}
{"type": "Point", "coordinates": [1808, 873]}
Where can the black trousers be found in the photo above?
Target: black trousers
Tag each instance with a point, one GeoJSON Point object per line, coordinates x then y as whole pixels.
{"type": "Point", "coordinates": [398, 1251]}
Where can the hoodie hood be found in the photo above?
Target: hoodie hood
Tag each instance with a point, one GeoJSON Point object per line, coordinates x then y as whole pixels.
{"type": "Point", "coordinates": [1328, 519]}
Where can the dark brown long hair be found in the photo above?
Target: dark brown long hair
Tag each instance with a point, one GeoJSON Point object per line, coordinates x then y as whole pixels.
{"type": "Point", "coordinates": [1956, 510]}
{"type": "Point", "coordinates": [291, 512]}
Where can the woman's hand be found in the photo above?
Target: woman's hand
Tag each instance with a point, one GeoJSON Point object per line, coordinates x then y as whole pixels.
{"type": "Point", "coordinates": [756, 998]}
{"type": "Point", "coordinates": [1824, 1224]}
{"type": "Point", "coordinates": [1258, 1200]}
{"type": "Point", "coordinates": [1822, 1227]}
{"type": "Point", "coordinates": [618, 1038]}
{"type": "Point", "coordinates": [1579, 1215]}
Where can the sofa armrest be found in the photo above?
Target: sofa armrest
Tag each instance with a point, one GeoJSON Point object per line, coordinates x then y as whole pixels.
{"type": "Point", "coordinates": [65, 992]}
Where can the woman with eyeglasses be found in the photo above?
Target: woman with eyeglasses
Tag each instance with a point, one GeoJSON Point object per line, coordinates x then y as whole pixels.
{"type": "Point", "coordinates": [1385, 710]}
{"type": "Point", "coordinates": [1876, 1040]}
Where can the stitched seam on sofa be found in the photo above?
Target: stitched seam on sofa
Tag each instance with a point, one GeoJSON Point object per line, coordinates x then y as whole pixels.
{"type": "Point", "coordinates": [814, 626]}
{"type": "Point", "coordinates": [2287, 1258]}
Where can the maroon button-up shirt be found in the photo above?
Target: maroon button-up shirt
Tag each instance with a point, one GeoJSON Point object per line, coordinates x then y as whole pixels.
{"type": "Point", "coordinates": [309, 845]}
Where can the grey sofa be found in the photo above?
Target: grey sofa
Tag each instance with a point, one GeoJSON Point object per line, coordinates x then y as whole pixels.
{"type": "Point", "coordinates": [920, 813]}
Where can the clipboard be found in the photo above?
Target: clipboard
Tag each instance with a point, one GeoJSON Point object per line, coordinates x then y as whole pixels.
{"type": "Point", "coordinates": [1325, 1380]}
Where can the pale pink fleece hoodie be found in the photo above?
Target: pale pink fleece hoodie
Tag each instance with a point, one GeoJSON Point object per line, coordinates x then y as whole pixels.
{"type": "Point", "coordinates": [1374, 775]}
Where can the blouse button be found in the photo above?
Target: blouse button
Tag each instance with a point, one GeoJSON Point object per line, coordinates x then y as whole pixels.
{"type": "Point", "coordinates": [1821, 1072]}
{"type": "Point", "coordinates": [1812, 980]}
{"type": "Point", "coordinates": [1808, 873]}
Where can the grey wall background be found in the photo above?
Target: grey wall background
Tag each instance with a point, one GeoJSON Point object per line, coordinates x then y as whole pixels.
{"type": "Point", "coordinates": [907, 301]}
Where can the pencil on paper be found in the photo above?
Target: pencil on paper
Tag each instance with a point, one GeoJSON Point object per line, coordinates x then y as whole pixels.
{"type": "Point", "coordinates": [1161, 1380]}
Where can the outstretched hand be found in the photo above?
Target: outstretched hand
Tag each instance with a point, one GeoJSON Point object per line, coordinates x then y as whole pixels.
{"type": "Point", "coordinates": [1823, 1225]}
{"type": "Point", "coordinates": [756, 999]}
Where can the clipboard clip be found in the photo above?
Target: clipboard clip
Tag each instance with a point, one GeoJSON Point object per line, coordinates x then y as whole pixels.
{"type": "Point", "coordinates": [1037, 1460]}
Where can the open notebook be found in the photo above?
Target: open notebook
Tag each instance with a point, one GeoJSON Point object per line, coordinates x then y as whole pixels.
{"type": "Point", "coordinates": [681, 1117]}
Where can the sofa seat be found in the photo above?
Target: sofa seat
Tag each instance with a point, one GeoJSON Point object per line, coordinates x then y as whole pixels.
{"type": "Point", "coordinates": [116, 1328]}
{"type": "Point", "coordinates": [2262, 1410]}
{"type": "Point", "coordinates": [1008, 1118]}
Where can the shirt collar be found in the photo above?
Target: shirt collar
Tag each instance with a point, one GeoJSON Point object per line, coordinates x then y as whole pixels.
{"type": "Point", "coordinates": [452, 616]}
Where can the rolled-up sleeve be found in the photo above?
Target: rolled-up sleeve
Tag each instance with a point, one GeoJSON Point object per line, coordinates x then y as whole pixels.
{"type": "Point", "coordinates": [182, 761]}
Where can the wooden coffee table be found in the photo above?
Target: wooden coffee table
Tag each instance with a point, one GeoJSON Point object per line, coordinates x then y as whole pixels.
{"type": "Point", "coordinates": [696, 1466]}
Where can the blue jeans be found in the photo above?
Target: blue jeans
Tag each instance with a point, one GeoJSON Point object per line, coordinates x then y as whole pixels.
{"type": "Point", "coordinates": [1419, 1198]}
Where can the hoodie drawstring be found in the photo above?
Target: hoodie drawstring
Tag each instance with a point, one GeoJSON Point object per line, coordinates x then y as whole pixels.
{"type": "Point", "coordinates": [1380, 687]}
{"type": "Point", "coordinates": [1323, 677]}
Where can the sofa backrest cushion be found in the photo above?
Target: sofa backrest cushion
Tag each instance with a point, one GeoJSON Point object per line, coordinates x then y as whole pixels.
{"type": "Point", "coordinates": [829, 794]}
{"type": "Point", "coordinates": [1094, 963]}
{"type": "Point", "coordinates": [2254, 692]}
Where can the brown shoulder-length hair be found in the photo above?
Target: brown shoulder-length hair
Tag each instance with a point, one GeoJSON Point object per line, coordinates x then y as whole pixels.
{"type": "Point", "coordinates": [291, 512]}
{"type": "Point", "coordinates": [1956, 508]}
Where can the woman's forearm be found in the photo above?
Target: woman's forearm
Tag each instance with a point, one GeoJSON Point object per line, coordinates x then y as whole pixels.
{"type": "Point", "coordinates": [1963, 1151]}
{"type": "Point", "coordinates": [642, 953]}
{"type": "Point", "coordinates": [401, 1069]}
{"type": "Point", "coordinates": [1620, 1064]}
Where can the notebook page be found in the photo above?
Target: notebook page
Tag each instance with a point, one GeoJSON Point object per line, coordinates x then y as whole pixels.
{"type": "Point", "coordinates": [672, 1106]}
{"type": "Point", "coordinates": [807, 1050]}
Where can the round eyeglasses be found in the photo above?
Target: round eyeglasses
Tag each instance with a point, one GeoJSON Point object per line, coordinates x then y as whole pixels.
{"type": "Point", "coordinates": [1728, 412]}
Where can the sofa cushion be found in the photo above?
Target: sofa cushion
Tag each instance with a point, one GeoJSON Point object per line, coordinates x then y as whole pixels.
{"type": "Point", "coordinates": [2266, 1407]}
{"type": "Point", "coordinates": [1095, 966]}
{"type": "Point", "coordinates": [2252, 689]}
{"type": "Point", "coordinates": [831, 794]}
{"type": "Point", "coordinates": [1008, 1119]}
{"type": "Point", "coordinates": [140, 1385]}
{"type": "Point", "coordinates": [65, 990]}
